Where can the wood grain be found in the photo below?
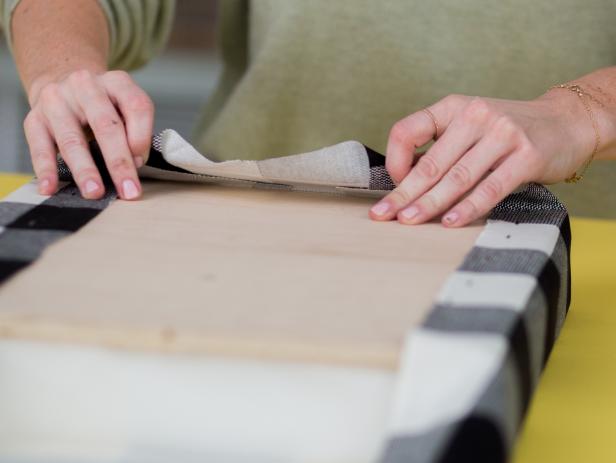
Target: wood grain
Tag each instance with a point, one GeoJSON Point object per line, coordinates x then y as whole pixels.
{"type": "Point", "coordinates": [207, 269]}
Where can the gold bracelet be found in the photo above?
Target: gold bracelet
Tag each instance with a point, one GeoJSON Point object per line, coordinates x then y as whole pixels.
{"type": "Point", "coordinates": [585, 98]}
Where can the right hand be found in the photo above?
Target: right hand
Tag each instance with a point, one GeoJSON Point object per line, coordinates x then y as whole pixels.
{"type": "Point", "coordinates": [118, 112]}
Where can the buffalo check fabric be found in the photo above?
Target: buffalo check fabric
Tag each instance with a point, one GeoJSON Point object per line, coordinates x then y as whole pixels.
{"type": "Point", "coordinates": [30, 222]}
{"type": "Point", "coordinates": [468, 372]}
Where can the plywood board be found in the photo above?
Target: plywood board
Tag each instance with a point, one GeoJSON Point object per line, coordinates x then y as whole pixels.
{"type": "Point", "coordinates": [209, 269]}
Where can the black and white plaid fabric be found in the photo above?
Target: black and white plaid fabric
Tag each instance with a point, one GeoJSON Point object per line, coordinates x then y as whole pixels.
{"type": "Point", "coordinates": [468, 373]}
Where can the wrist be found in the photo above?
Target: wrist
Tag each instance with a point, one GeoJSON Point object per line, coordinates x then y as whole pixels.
{"type": "Point", "coordinates": [575, 126]}
{"type": "Point", "coordinates": [585, 119]}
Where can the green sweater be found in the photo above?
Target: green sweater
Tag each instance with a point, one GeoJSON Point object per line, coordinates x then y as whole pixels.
{"type": "Point", "coordinates": [299, 75]}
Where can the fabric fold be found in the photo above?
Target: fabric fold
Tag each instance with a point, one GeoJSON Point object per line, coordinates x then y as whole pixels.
{"type": "Point", "coordinates": [345, 168]}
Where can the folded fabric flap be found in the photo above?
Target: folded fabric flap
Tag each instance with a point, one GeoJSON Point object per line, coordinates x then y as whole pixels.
{"type": "Point", "coordinates": [538, 205]}
{"type": "Point", "coordinates": [179, 153]}
{"type": "Point", "coordinates": [345, 165]}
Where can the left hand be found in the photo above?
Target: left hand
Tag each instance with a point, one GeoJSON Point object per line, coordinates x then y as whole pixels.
{"type": "Point", "coordinates": [484, 150]}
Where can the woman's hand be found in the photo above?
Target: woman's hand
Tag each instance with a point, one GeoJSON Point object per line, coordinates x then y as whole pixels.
{"type": "Point", "coordinates": [117, 111]}
{"type": "Point", "coordinates": [484, 150]}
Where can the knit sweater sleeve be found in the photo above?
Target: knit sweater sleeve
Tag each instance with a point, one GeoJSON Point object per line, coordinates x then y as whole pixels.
{"type": "Point", "coordinates": [138, 29]}
{"type": "Point", "coordinates": [6, 11]}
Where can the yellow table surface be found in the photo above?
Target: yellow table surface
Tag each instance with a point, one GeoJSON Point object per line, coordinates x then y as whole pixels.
{"type": "Point", "coordinates": [573, 414]}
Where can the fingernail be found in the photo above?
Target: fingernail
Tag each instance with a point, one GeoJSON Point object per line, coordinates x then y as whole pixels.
{"type": "Point", "coordinates": [380, 208]}
{"type": "Point", "coordinates": [409, 213]}
{"type": "Point", "coordinates": [44, 185]}
{"type": "Point", "coordinates": [138, 162]}
{"type": "Point", "coordinates": [91, 187]}
{"type": "Point", "coordinates": [130, 189]}
{"type": "Point", "coordinates": [451, 218]}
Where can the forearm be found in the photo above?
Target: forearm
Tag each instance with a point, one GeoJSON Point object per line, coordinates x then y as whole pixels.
{"type": "Point", "coordinates": [53, 38]}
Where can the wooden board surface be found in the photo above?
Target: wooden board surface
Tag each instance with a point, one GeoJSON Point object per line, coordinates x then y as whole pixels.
{"type": "Point", "coordinates": [201, 268]}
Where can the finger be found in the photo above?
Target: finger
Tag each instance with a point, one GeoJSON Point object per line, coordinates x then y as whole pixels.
{"type": "Point", "coordinates": [404, 138]}
{"type": "Point", "coordinates": [108, 129]}
{"type": "Point", "coordinates": [462, 176]}
{"type": "Point", "coordinates": [42, 152]}
{"type": "Point", "coordinates": [416, 130]}
{"type": "Point", "coordinates": [69, 138]}
{"type": "Point", "coordinates": [137, 110]}
{"type": "Point", "coordinates": [430, 168]}
{"type": "Point", "coordinates": [488, 193]}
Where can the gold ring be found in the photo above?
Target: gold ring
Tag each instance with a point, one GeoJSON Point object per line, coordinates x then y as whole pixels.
{"type": "Point", "coordinates": [431, 116]}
